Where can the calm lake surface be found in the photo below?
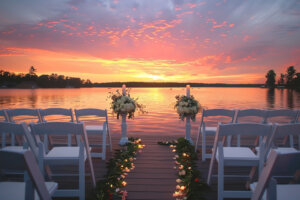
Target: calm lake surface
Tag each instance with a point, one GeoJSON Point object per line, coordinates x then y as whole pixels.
{"type": "Point", "coordinates": [159, 102]}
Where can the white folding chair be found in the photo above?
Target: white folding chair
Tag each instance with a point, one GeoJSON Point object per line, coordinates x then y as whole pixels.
{"type": "Point", "coordinates": [88, 115]}
{"type": "Point", "coordinates": [34, 186]}
{"type": "Point", "coordinates": [69, 155]}
{"type": "Point", "coordinates": [211, 130]}
{"type": "Point", "coordinates": [284, 130]}
{"type": "Point", "coordinates": [284, 116]}
{"type": "Point", "coordinates": [22, 115]}
{"type": "Point", "coordinates": [60, 114]}
{"type": "Point", "coordinates": [266, 188]}
{"type": "Point", "coordinates": [236, 156]}
{"type": "Point", "coordinates": [249, 115]}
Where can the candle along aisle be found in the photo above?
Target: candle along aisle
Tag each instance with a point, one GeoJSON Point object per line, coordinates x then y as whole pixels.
{"type": "Point", "coordinates": [188, 91]}
{"type": "Point", "coordinates": [124, 90]}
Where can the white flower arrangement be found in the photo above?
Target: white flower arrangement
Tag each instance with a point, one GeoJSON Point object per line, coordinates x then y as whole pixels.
{"type": "Point", "coordinates": [124, 104]}
{"type": "Point", "coordinates": [187, 106]}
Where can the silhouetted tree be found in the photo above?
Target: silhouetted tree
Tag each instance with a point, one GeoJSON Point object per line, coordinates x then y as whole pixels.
{"type": "Point", "coordinates": [281, 79]}
{"type": "Point", "coordinates": [32, 70]}
{"type": "Point", "coordinates": [271, 78]}
{"type": "Point", "coordinates": [296, 81]}
{"type": "Point", "coordinates": [291, 72]}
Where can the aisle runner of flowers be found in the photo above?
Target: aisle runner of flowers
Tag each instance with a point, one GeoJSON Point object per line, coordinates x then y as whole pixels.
{"type": "Point", "coordinates": [118, 167]}
{"type": "Point", "coordinates": [189, 186]}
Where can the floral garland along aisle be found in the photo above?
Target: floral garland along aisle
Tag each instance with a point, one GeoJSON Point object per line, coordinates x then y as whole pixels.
{"type": "Point", "coordinates": [118, 168]}
{"type": "Point", "coordinates": [189, 186]}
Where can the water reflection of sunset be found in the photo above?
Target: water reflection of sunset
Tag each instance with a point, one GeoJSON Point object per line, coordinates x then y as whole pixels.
{"type": "Point", "coordinates": [161, 117]}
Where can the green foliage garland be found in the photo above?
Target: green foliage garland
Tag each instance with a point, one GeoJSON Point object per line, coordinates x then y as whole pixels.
{"type": "Point", "coordinates": [189, 186]}
{"type": "Point", "coordinates": [118, 167]}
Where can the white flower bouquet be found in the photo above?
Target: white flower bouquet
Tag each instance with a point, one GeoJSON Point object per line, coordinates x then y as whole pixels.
{"type": "Point", "coordinates": [187, 106]}
{"type": "Point", "coordinates": [124, 104]}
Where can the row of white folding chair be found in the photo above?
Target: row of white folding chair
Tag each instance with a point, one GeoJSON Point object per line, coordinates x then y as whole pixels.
{"type": "Point", "coordinates": [67, 155]}
{"type": "Point", "coordinates": [41, 114]}
{"type": "Point", "coordinates": [268, 116]}
{"type": "Point", "coordinates": [277, 164]}
{"type": "Point", "coordinates": [244, 156]}
{"type": "Point", "coordinates": [234, 116]}
{"type": "Point", "coordinates": [34, 186]}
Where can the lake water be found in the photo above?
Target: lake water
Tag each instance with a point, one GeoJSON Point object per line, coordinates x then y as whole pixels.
{"type": "Point", "coordinates": [159, 102]}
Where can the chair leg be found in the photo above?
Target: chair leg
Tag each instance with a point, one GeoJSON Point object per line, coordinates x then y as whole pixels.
{"type": "Point", "coordinates": [81, 177]}
{"type": "Point", "coordinates": [251, 177]}
{"type": "Point", "coordinates": [203, 148]}
{"type": "Point", "coordinates": [220, 179]}
{"type": "Point", "coordinates": [110, 144]}
{"type": "Point", "coordinates": [104, 146]}
{"type": "Point", "coordinates": [69, 140]}
{"type": "Point", "coordinates": [291, 141]}
{"type": "Point", "coordinates": [3, 140]}
{"type": "Point", "coordinates": [12, 143]}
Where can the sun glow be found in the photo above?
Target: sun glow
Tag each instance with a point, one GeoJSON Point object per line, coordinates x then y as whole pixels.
{"type": "Point", "coordinates": [152, 77]}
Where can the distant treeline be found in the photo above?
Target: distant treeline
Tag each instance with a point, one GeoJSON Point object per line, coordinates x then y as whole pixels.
{"type": "Point", "coordinates": [31, 80]}
{"type": "Point", "coordinates": [291, 79]}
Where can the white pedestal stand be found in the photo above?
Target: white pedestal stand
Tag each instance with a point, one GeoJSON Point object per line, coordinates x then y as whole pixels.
{"type": "Point", "coordinates": [124, 138]}
{"type": "Point", "coordinates": [188, 129]}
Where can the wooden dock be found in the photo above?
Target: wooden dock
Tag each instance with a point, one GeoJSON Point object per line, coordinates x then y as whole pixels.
{"type": "Point", "coordinates": [154, 177]}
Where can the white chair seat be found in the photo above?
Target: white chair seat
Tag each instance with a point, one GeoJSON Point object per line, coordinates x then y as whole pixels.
{"type": "Point", "coordinates": [210, 130]}
{"type": "Point", "coordinates": [284, 192]}
{"type": "Point", "coordinates": [93, 129]}
{"type": "Point", "coordinates": [286, 150]}
{"type": "Point", "coordinates": [8, 190]}
{"type": "Point", "coordinates": [14, 148]}
{"type": "Point", "coordinates": [238, 153]}
{"type": "Point", "coordinates": [280, 150]}
{"type": "Point", "coordinates": [64, 153]}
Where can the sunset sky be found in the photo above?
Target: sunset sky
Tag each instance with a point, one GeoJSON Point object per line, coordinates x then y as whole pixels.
{"type": "Point", "coordinates": [205, 41]}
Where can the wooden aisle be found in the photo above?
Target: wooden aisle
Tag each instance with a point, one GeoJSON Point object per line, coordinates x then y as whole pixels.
{"type": "Point", "coordinates": [154, 176]}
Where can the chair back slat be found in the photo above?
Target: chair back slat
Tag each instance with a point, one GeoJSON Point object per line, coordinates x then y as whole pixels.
{"type": "Point", "coordinates": [56, 111]}
{"type": "Point", "coordinates": [218, 112]}
{"type": "Point", "coordinates": [287, 129]}
{"type": "Point", "coordinates": [11, 113]}
{"type": "Point", "coordinates": [8, 127]}
{"type": "Point", "coordinates": [250, 113]}
{"type": "Point", "coordinates": [20, 129]}
{"type": "Point", "coordinates": [90, 111]}
{"type": "Point", "coordinates": [254, 129]}
{"type": "Point", "coordinates": [292, 114]}
{"type": "Point", "coordinates": [56, 128]}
